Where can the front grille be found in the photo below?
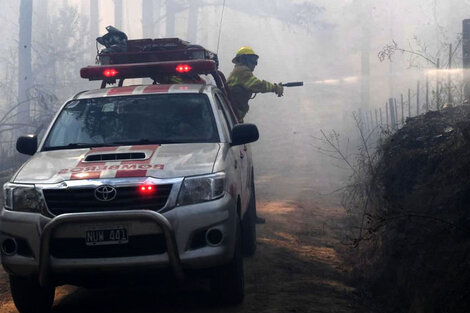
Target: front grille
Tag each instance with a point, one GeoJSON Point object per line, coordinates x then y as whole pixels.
{"type": "Point", "coordinates": [75, 200]}
{"type": "Point", "coordinates": [76, 248]}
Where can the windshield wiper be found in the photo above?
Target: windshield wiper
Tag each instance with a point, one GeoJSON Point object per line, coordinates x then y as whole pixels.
{"type": "Point", "coordinates": [145, 142]}
{"type": "Point", "coordinates": [80, 145]}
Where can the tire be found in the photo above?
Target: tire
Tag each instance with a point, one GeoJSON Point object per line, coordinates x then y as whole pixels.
{"type": "Point", "coordinates": [228, 284]}
{"type": "Point", "coordinates": [29, 296]}
{"type": "Point", "coordinates": [249, 225]}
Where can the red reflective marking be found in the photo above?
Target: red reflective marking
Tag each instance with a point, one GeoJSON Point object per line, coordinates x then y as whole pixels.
{"type": "Point", "coordinates": [121, 90]}
{"type": "Point", "coordinates": [85, 175]}
{"type": "Point", "coordinates": [156, 88]}
{"type": "Point", "coordinates": [133, 173]}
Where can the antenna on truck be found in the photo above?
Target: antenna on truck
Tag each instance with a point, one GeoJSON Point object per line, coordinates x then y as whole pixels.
{"type": "Point", "coordinates": [220, 26]}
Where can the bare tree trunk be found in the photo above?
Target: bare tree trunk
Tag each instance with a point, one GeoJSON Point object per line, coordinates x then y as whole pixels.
{"type": "Point", "coordinates": [118, 14]}
{"type": "Point", "coordinates": [84, 33]}
{"type": "Point", "coordinates": [43, 17]}
{"type": "Point", "coordinates": [365, 55]}
{"type": "Point", "coordinates": [391, 80]}
{"type": "Point", "coordinates": [170, 18]}
{"type": "Point", "coordinates": [147, 18]}
{"type": "Point", "coordinates": [193, 20]}
{"type": "Point", "coordinates": [158, 12]}
{"type": "Point", "coordinates": [94, 22]}
{"type": "Point", "coordinates": [24, 62]}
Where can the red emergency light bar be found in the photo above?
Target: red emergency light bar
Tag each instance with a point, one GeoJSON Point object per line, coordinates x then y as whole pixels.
{"type": "Point", "coordinates": [144, 70]}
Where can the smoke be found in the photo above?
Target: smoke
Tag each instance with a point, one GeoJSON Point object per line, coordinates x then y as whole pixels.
{"type": "Point", "coordinates": [330, 45]}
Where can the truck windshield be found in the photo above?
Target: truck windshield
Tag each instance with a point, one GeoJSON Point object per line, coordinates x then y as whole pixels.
{"type": "Point", "coordinates": [127, 120]}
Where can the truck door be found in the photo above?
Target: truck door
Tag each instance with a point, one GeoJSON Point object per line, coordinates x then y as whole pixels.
{"type": "Point", "coordinates": [242, 155]}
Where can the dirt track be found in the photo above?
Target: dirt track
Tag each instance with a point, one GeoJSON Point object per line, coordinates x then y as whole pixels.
{"type": "Point", "coordinates": [296, 268]}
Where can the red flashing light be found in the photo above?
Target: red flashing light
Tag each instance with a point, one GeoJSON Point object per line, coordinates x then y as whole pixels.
{"type": "Point", "coordinates": [145, 189]}
{"type": "Point", "coordinates": [183, 68]}
{"type": "Point", "coordinates": [111, 72]}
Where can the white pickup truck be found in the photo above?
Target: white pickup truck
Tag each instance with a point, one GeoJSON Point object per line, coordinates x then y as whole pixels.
{"type": "Point", "coordinates": [133, 179]}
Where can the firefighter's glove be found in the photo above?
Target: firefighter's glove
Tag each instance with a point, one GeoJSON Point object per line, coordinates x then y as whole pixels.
{"type": "Point", "coordinates": [278, 90]}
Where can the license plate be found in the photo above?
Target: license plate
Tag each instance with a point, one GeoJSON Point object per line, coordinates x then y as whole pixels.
{"type": "Point", "coordinates": [111, 236]}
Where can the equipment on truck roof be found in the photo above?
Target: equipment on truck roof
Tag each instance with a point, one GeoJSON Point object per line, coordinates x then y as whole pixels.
{"type": "Point", "coordinates": [114, 41]}
{"type": "Point", "coordinates": [165, 60]}
{"type": "Point", "coordinates": [148, 50]}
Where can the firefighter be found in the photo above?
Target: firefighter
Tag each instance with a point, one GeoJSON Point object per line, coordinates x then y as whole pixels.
{"type": "Point", "coordinates": [243, 84]}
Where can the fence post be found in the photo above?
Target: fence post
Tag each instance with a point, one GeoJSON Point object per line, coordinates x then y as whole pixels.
{"type": "Point", "coordinates": [395, 106]}
{"type": "Point", "coordinates": [427, 93]}
{"type": "Point", "coordinates": [449, 78]}
{"type": "Point", "coordinates": [409, 102]}
{"type": "Point", "coordinates": [402, 112]}
{"type": "Point", "coordinates": [392, 113]}
{"type": "Point", "coordinates": [386, 114]}
{"type": "Point", "coordinates": [381, 120]}
{"type": "Point", "coordinates": [376, 119]}
{"type": "Point", "coordinates": [417, 98]}
{"type": "Point", "coordinates": [438, 96]}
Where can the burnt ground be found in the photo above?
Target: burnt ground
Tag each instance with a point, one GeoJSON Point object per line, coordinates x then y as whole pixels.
{"type": "Point", "coordinates": [297, 267]}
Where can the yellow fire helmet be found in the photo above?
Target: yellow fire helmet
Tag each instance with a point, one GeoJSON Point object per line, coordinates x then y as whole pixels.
{"type": "Point", "coordinates": [244, 51]}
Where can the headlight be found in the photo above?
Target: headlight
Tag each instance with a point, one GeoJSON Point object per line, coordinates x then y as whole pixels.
{"type": "Point", "coordinates": [202, 188]}
{"type": "Point", "coordinates": [22, 198]}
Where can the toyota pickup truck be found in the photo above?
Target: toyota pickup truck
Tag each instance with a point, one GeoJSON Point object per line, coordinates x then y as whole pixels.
{"type": "Point", "coordinates": [132, 179]}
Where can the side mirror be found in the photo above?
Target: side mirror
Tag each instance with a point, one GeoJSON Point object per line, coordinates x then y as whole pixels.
{"type": "Point", "coordinates": [27, 144]}
{"type": "Point", "coordinates": [244, 133]}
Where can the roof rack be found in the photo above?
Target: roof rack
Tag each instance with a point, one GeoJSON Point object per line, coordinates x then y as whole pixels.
{"type": "Point", "coordinates": [152, 58]}
{"type": "Point", "coordinates": [156, 50]}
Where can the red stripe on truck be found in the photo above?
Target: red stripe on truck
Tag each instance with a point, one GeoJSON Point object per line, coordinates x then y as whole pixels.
{"type": "Point", "coordinates": [121, 90]}
{"type": "Point", "coordinates": [132, 173]}
{"type": "Point", "coordinates": [156, 88]}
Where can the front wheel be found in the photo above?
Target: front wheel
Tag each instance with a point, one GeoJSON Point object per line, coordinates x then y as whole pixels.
{"type": "Point", "coordinates": [229, 281]}
{"type": "Point", "coordinates": [29, 296]}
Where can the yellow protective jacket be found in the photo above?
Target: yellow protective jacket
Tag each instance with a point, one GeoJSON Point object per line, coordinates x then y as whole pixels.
{"type": "Point", "coordinates": [242, 84]}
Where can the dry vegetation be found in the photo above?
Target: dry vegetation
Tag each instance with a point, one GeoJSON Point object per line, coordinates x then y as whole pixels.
{"type": "Point", "coordinates": [410, 217]}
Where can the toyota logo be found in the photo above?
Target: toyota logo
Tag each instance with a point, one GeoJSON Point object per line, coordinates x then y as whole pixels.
{"type": "Point", "coordinates": [105, 193]}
